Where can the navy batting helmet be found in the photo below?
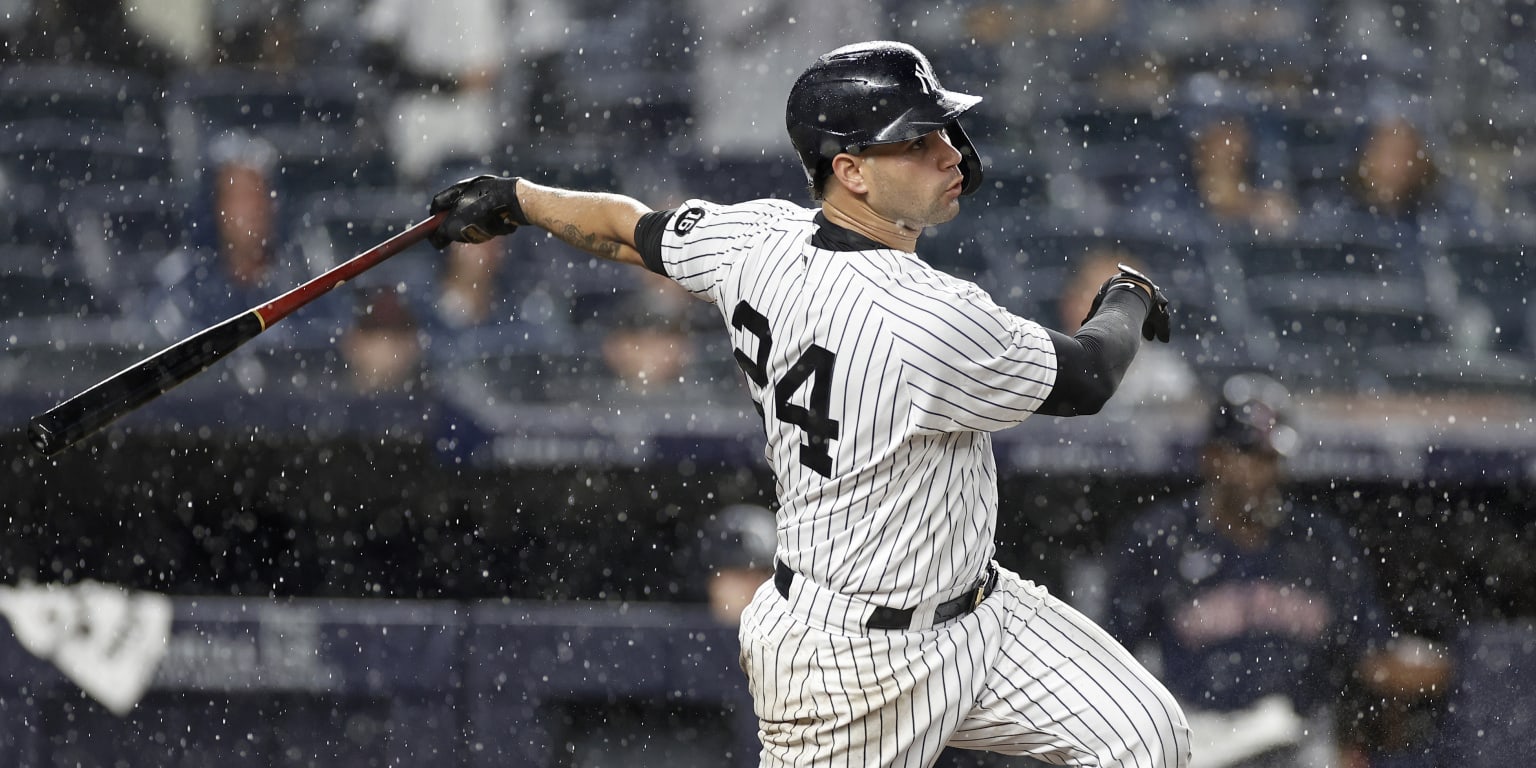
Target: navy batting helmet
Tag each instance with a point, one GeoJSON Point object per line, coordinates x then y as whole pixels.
{"type": "Point", "coordinates": [1251, 415]}
{"type": "Point", "coordinates": [873, 93]}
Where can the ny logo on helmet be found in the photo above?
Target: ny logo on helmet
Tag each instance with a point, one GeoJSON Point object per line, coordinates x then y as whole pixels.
{"type": "Point", "coordinates": [930, 83]}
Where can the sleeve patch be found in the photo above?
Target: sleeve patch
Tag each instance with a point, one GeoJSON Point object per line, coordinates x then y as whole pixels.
{"type": "Point", "coordinates": [687, 220]}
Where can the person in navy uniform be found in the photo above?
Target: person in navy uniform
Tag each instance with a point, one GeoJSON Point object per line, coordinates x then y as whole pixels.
{"type": "Point", "coordinates": [1258, 607]}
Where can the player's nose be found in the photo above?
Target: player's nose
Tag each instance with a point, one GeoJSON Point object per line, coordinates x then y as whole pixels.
{"type": "Point", "coordinates": [949, 156]}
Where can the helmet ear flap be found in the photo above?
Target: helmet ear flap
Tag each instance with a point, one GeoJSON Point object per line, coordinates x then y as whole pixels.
{"type": "Point", "coordinates": [970, 159]}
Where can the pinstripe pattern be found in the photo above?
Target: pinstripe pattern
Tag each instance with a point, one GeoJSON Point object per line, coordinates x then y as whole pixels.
{"type": "Point", "coordinates": [898, 508]}
{"type": "Point", "coordinates": [927, 365]}
{"type": "Point", "coordinates": [1024, 674]}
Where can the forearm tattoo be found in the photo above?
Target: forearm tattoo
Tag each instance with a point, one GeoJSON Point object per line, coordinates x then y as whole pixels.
{"type": "Point", "coordinates": [575, 235]}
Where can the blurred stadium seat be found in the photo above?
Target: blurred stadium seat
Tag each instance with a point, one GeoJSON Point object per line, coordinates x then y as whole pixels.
{"type": "Point", "coordinates": [1328, 329]}
{"type": "Point", "coordinates": [1497, 273]}
{"type": "Point", "coordinates": [731, 179]}
{"type": "Point", "coordinates": [95, 99]}
{"type": "Point", "coordinates": [1317, 148]}
{"type": "Point", "coordinates": [1119, 151]}
{"type": "Point", "coordinates": [35, 285]}
{"type": "Point", "coordinates": [119, 234]}
{"type": "Point", "coordinates": [336, 224]}
{"type": "Point", "coordinates": [34, 216]}
{"type": "Point", "coordinates": [62, 155]}
{"type": "Point", "coordinates": [628, 85]}
{"type": "Point", "coordinates": [1014, 184]}
{"type": "Point", "coordinates": [316, 111]}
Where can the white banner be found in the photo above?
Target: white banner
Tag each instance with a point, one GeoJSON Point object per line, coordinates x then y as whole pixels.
{"type": "Point", "coordinates": [106, 639]}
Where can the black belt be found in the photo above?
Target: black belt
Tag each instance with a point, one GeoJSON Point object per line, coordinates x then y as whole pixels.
{"type": "Point", "coordinates": [901, 618]}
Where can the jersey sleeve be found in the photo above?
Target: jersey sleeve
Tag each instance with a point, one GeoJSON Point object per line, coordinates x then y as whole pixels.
{"type": "Point", "coordinates": [702, 240]}
{"type": "Point", "coordinates": [648, 233]}
{"type": "Point", "coordinates": [969, 364]}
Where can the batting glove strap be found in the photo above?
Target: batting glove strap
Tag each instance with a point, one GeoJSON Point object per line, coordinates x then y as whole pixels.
{"type": "Point", "coordinates": [1158, 324]}
{"type": "Point", "coordinates": [479, 208]}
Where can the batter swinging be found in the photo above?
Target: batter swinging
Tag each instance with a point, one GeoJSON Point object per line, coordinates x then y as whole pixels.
{"type": "Point", "coordinates": [888, 632]}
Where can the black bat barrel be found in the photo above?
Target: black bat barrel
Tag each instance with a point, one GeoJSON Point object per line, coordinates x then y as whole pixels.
{"type": "Point", "coordinates": [82, 415]}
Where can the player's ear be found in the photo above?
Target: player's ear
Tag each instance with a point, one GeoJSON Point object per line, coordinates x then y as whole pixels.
{"type": "Point", "coordinates": [849, 171]}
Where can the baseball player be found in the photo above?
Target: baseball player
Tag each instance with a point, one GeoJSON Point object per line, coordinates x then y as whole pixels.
{"type": "Point", "coordinates": [1259, 606]}
{"type": "Point", "coordinates": [887, 631]}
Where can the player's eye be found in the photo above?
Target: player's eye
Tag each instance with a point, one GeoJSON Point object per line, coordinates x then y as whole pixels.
{"type": "Point", "coordinates": [918, 143]}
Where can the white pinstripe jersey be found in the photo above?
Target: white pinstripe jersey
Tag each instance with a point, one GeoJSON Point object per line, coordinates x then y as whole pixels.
{"type": "Point", "coordinates": [880, 380]}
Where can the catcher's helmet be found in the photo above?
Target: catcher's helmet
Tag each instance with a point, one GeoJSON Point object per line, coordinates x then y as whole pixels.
{"type": "Point", "coordinates": [873, 93]}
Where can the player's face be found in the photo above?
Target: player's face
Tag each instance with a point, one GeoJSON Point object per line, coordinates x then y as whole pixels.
{"type": "Point", "coordinates": [914, 183]}
{"type": "Point", "coordinates": [1246, 481]}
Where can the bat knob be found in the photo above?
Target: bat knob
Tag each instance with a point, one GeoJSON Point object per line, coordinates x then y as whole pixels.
{"type": "Point", "coordinates": [43, 440]}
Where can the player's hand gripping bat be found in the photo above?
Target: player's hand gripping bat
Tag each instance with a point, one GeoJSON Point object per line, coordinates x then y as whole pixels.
{"type": "Point", "coordinates": [78, 417]}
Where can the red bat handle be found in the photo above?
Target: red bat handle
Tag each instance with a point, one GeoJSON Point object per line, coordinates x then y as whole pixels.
{"type": "Point", "coordinates": [282, 306]}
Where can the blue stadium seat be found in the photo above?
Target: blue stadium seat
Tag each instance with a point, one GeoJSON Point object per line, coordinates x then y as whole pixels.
{"type": "Point", "coordinates": [319, 110]}
{"type": "Point", "coordinates": [119, 234]}
{"type": "Point", "coordinates": [1009, 183]}
{"type": "Point", "coordinates": [1317, 149]}
{"type": "Point", "coordinates": [1498, 274]}
{"type": "Point", "coordinates": [626, 79]}
{"type": "Point", "coordinates": [62, 155]}
{"type": "Point", "coordinates": [31, 215]}
{"type": "Point", "coordinates": [1349, 332]}
{"type": "Point", "coordinates": [730, 179]}
{"type": "Point", "coordinates": [1323, 251]}
{"type": "Point", "coordinates": [95, 97]}
{"type": "Point", "coordinates": [57, 356]}
{"type": "Point", "coordinates": [305, 168]}
{"type": "Point", "coordinates": [254, 99]}
{"type": "Point", "coordinates": [30, 291]}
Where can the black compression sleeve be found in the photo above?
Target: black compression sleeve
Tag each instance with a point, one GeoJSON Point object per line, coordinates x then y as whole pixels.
{"type": "Point", "coordinates": [648, 232]}
{"type": "Point", "coordinates": [1090, 363]}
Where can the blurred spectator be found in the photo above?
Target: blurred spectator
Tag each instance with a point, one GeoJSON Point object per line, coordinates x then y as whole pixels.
{"type": "Point", "coordinates": [467, 288]}
{"type": "Point", "coordinates": [1253, 41]}
{"type": "Point", "coordinates": [1158, 375]}
{"type": "Point", "coordinates": [381, 348]}
{"type": "Point", "coordinates": [442, 63]}
{"type": "Point", "coordinates": [649, 347]}
{"type": "Point", "coordinates": [736, 550]}
{"type": "Point", "coordinates": [1229, 189]}
{"type": "Point", "coordinates": [1040, 48]}
{"type": "Point", "coordinates": [1397, 191]}
{"type": "Point", "coordinates": [1258, 607]}
{"type": "Point", "coordinates": [1393, 176]}
{"type": "Point", "coordinates": [256, 33]}
{"type": "Point", "coordinates": [277, 36]}
{"type": "Point", "coordinates": [237, 255]}
{"type": "Point", "coordinates": [750, 52]}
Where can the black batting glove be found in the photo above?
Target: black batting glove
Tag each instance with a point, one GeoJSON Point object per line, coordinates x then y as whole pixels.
{"type": "Point", "coordinates": [479, 209]}
{"type": "Point", "coordinates": [1158, 323]}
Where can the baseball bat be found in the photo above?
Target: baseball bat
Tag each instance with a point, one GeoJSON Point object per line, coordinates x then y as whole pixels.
{"type": "Point", "coordinates": [82, 415]}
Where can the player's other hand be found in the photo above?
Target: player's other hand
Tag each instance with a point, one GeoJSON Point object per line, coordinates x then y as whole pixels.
{"type": "Point", "coordinates": [479, 209]}
{"type": "Point", "coordinates": [1158, 323]}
